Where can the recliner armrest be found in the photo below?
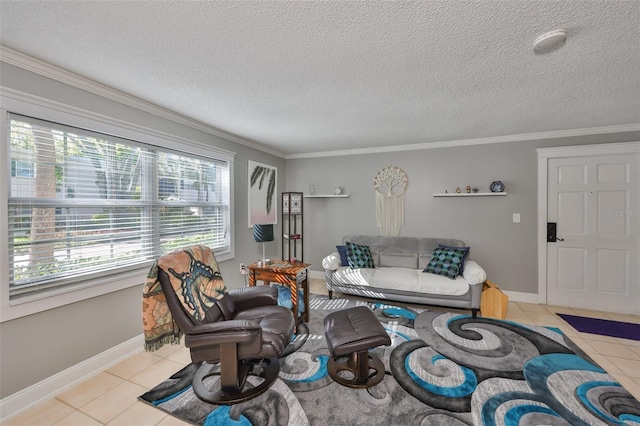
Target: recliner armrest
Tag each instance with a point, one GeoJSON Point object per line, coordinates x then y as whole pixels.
{"type": "Point", "coordinates": [253, 297]}
{"type": "Point", "coordinates": [234, 331]}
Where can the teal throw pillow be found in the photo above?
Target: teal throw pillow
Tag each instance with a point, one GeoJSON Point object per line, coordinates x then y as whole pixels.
{"type": "Point", "coordinates": [464, 257]}
{"type": "Point", "coordinates": [447, 261]}
{"type": "Point", "coordinates": [359, 256]}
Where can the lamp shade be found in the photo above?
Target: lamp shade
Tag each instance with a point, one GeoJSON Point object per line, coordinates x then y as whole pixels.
{"type": "Point", "coordinates": [263, 233]}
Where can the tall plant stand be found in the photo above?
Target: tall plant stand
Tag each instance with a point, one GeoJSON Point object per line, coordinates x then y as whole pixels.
{"type": "Point", "coordinates": [292, 226]}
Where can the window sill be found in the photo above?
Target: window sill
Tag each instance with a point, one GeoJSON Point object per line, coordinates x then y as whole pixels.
{"type": "Point", "coordinates": [116, 281]}
{"type": "Point", "coordinates": [50, 300]}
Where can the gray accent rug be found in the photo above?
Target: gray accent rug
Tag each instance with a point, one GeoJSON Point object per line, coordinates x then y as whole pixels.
{"type": "Point", "coordinates": [442, 369]}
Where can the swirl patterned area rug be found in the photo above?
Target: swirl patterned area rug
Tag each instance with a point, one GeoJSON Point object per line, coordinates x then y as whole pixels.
{"type": "Point", "coordinates": [442, 369]}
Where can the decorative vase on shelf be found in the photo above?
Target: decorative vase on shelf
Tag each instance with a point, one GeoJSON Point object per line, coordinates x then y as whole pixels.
{"type": "Point", "coordinates": [338, 190]}
{"type": "Point", "coordinates": [312, 189]}
{"type": "Point", "coordinates": [497, 186]}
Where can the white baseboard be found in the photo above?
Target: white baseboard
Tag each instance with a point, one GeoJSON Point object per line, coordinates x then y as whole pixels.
{"type": "Point", "coordinates": [316, 274]}
{"type": "Point", "coordinates": [66, 379]}
{"type": "Point", "coordinates": [516, 296]}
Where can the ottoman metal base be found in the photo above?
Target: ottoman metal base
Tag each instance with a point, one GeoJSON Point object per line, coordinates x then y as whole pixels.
{"type": "Point", "coordinates": [366, 370]}
{"type": "Point", "coordinates": [350, 334]}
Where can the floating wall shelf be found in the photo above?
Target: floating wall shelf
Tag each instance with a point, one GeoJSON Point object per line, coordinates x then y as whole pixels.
{"type": "Point", "coordinates": [327, 196]}
{"type": "Point", "coordinates": [473, 194]}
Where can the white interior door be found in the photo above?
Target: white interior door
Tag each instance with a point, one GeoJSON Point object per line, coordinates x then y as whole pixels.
{"type": "Point", "coordinates": [595, 202]}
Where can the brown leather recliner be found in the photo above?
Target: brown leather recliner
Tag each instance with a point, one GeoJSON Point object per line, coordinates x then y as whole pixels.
{"type": "Point", "coordinates": [243, 332]}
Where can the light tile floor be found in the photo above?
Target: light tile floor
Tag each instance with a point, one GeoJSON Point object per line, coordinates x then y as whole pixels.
{"type": "Point", "coordinates": [110, 397]}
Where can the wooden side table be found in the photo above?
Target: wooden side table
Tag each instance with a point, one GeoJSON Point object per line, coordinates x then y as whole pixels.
{"type": "Point", "coordinates": [288, 274]}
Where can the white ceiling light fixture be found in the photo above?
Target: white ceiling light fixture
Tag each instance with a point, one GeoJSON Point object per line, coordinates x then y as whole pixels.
{"type": "Point", "coordinates": [550, 40]}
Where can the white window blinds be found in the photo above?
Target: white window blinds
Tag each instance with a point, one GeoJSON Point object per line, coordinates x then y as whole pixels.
{"type": "Point", "coordinates": [82, 203]}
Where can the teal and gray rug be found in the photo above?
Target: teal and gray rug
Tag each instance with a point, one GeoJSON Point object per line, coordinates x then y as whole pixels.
{"type": "Point", "coordinates": [442, 369]}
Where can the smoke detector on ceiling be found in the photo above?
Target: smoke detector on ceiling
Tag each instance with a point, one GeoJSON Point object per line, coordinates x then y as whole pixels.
{"type": "Point", "coordinates": [550, 40]}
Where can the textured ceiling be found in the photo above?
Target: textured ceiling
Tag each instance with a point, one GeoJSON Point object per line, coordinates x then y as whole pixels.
{"type": "Point", "coordinates": [311, 76]}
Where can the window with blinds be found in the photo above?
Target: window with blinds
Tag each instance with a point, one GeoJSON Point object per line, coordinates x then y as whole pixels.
{"type": "Point", "coordinates": [82, 204]}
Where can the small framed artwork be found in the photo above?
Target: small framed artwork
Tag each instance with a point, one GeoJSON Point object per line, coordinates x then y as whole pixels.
{"type": "Point", "coordinates": [262, 192]}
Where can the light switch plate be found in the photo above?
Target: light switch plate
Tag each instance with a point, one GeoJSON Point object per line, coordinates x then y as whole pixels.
{"type": "Point", "coordinates": [516, 218]}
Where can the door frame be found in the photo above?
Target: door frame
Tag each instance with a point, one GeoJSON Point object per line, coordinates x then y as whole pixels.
{"type": "Point", "coordinates": [544, 155]}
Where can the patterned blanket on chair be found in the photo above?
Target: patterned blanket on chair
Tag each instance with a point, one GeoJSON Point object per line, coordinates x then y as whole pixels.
{"type": "Point", "coordinates": [196, 280]}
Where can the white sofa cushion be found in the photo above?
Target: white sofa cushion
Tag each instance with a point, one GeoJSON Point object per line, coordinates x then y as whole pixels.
{"type": "Point", "coordinates": [358, 276]}
{"type": "Point", "coordinates": [404, 279]}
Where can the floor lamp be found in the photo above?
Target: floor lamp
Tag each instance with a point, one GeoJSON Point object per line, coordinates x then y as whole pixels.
{"type": "Point", "coordinates": [262, 234]}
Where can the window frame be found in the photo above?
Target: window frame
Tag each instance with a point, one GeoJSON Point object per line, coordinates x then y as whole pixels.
{"type": "Point", "coordinates": [24, 104]}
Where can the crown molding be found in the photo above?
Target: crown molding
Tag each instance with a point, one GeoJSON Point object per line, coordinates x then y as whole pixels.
{"type": "Point", "coordinates": [45, 69]}
{"type": "Point", "coordinates": [27, 104]}
{"type": "Point", "coordinates": [589, 150]}
{"type": "Point", "coordinates": [467, 142]}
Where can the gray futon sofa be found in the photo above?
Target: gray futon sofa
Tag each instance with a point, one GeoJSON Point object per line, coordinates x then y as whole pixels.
{"type": "Point", "coordinates": [398, 274]}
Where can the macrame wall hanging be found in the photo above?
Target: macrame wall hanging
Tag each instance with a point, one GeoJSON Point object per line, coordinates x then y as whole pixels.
{"type": "Point", "coordinates": [390, 184]}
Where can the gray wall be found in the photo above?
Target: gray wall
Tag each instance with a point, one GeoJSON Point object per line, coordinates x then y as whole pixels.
{"type": "Point", "coordinates": [507, 250]}
{"type": "Point", "coordinates": [38, 346]}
